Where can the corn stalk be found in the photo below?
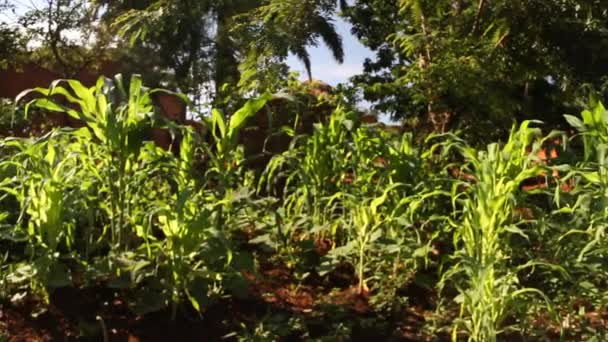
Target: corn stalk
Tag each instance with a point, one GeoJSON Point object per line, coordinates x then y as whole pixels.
{"type": "Point", "coordinates": [482, 226]}
{"type": "Point", "coordinates": [117, 117]}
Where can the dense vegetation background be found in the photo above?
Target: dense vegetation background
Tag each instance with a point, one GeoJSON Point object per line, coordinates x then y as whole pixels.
{"type": "Point", "coordinates": [285, 212]}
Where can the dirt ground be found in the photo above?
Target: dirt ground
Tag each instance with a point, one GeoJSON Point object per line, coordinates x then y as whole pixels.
{"type": "Point", "coordinates": [100, 313]}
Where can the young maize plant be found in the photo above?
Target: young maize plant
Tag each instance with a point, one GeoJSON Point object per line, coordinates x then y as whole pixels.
{"type": "Point", "coordinates": [592, 192]}
{"type": "Point", "coordinates": [366, 221]}
{"type": "Point", "coordinates": [117, 117]}
{"type": "Point", "coordinates": [377, 229]}
{"type": "Point", "coordinates": [47, 186]}
{"type": "Point", "coordinates": [226, 157]}
{"type": "Point", "coordinates": [314, 175]}
{"type": "Point", "coordinates": [194, 220]}
{"type": "Point", "coordinates": [186, 225]}
{"type": "Point", "coordinates": [366, 189]}
{"type": "Point", "coordinates": [340, 160]}
{"type": "Point", "coordinates": [482, 227]}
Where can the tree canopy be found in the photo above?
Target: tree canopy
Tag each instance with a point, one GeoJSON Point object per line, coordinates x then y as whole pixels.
{"type": "Point", "coordinates": [438, 65]}
{"type": "Point", "coordinates": [206, 41]}
{"type": "Point", "coordinates": [450, 62]}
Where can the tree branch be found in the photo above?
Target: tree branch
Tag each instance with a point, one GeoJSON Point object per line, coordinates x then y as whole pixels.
{"type": "Point", "coordinates": [55, 36]}
{"type": "Point", "coordinates": [425, 32]}
{"type": "Point", "coordinates": [480, 8]}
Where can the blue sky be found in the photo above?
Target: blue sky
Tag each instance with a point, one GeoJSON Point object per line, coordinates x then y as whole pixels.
{"type": "Point", "coordinates": [325, 68]}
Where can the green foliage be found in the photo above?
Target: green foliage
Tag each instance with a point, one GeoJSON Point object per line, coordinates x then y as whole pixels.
{"type": "Point", "coordinates": [207, 41]}
{"type": "Point", "coordinates": [12, 44]}
{"type": "Point", "coordinates": [483, 221]}
{"type": "Point", "coordinates": [478, 64]}
{"type": "Point", "coordinates": [100, 203]}
{"type": "Point", "coordinates": [62, 35]}
{"type": "Point", "coordinates": [46, 184]}
{"type": "Point", "coordinates": [343, 184]}
{"type": "Point", "coordinates": [281, 27]}
{"type": "Point", "coordinates": [586, 212]}
{"type": "Point", "coordinates": [102, 206]}
{"type": "Point", "coordinates": [593, 128]}
{"type": "Point", "coordinates": [117, 119]}
{"type": "Point", "coordinates": [12, 119]}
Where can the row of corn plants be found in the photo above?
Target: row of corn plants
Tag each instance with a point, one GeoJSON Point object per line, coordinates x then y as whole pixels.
{"type": "Point", "coordinates": [102, 205]}
{"type": "Point", "coordinates": [367, 194]}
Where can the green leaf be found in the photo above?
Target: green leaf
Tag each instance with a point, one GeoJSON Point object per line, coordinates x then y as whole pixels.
{"type": "Point", "coordinates": [343, 251]}
{"type": "Point", "coordinates": [217, 122]}
{"type": "Point", "coordinates": [593, 177]}
{"type": "Point", "coordinates": [516, 230]}
{"type": "Point", "coordinates": [49, 105]}
{"type": "Point", "coordinates": [575, 122]}
{"type": "Point", "coordinates": [375, 235]}
{"type": "Point", "coordinates": [82, 92]}
{"type": "Point", "coordinates": [251, 107]}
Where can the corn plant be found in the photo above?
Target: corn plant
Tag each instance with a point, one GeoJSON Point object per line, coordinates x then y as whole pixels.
{"type": "Point", "coordinates": [483, 224]}
{"type": "Point", "coordinates": [47, 186]}
{"type": "Point", "coordinates": [592, 199]}
{"type": "Point", "coordinates": [593, 126]}
{"type": "Point", "coordinates": [384, 236]}
{"type": "Point", "coordinates": [584, 229]}
{"type": "Point", "coordinates": [376, 228]}
{"type": "Point", "coordinates": [194, 256]}
{"type": "Point", "coordinates": [117, 118]}
{"type": "Point", "coordinates": [366, 222]}
{"type": "Point", "coordinates": [225, 156]}
{"type": "Point", "coordinates": [366, 190]}
{"type": "Point", "coordinates": [340, 160]}
{"type": "Point", "coordinates": [184, 222]}
{"type": "Point", "coordinates": [314, 174]}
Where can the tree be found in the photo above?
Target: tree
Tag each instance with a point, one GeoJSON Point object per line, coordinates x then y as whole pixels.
{"type": "Point", "coordinates": [291, 26]}
{"type": "Point", "coordinates": [206, 41]}
{"type": "Point", "coordinates": [63, 35]}
{"type": "Point", "coordinates": [453, 63]}
{"type": "Point", "coordinates": [12, 45]}
{"type": "Point", "coordinates": [178, 32]}
{"type": "Point", "coordinates": [278, 28]}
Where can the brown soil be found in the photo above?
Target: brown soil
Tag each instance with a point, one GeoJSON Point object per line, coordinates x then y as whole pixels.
{"type": "Point", "coordinates": [73, 314]}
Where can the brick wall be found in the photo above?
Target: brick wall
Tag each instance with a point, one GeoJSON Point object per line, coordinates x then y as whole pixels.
{"type": "Point", "coordinates": [15, 80]}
